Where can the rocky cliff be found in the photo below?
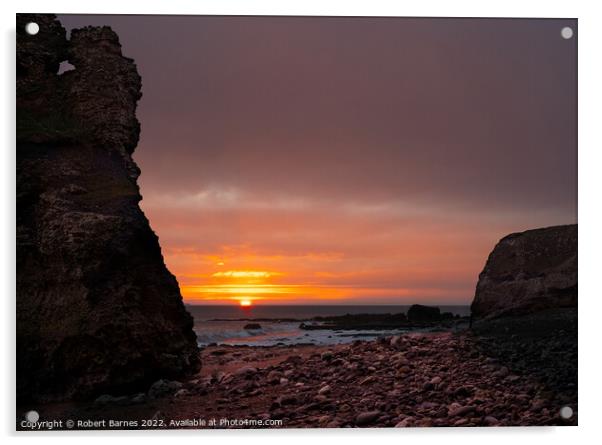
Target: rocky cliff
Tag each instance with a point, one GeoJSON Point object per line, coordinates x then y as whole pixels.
{"type": "Point", "coordinates": [525, 308]}
{"type": "Point", "coordinates": [97, 310]}
{"type": "Point", "coordinates": [527, 273]}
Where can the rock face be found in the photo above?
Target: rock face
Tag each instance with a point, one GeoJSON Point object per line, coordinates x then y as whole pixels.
{"type": "Point", "coordinates": [529, 272]}
{"type": "Point", "coordinates": [97, 310]}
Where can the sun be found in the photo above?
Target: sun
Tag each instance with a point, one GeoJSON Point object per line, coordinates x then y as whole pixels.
{"type": "Point", "coordinates": [245, 303]}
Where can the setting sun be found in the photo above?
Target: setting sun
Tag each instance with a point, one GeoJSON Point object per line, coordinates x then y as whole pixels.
{"type": "Point", "coordinates": [245, 303]}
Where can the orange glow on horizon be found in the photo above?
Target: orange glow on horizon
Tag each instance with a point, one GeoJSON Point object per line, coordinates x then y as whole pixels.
{"type": "Point", "coordinates": [425, 269]}
{"type": "Point", "coordinates": [245, 274]}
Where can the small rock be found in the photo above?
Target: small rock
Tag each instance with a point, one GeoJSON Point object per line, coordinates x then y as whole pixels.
{"type": "Point", "coordinates": [162, 388]}
{"type": "Point", "coordinates": [324, 419]}
{"type": "Point", "coordinates": [274, 377]}
{"type": "Point", "coordinates": [324, 390]}
{"type": "Point", "coordinates": [219, 376]}
{"type": "Point", "coordinates": [367, 380]}
{"type": "Point", "coordinates": [405, 422]}
{"type": "Point", "coordinates": [181, 393]}
{"type": "Point", "coordinates": [139, 398]}
{"type": "Point", "coordinates": [428, 386]}
{"type": "Point", "coordinates": [460, 410]}
{"type": "Point", "coordinates": [367, 417]}
{"type": "Point", "coordinates": [246, 371]}
{"type": "Point", "coordinates": [463, 391]}
{"type": "Point", "coordinates": [288, 399]}
{"type": "Point", "coordinates": [326, 356]}
{"type": "Point", "coordinates": [252, 326]}
{"type": "Point", "coordinates": [435, 380]}
{"type": "Point", "coordinates": [491, 421]}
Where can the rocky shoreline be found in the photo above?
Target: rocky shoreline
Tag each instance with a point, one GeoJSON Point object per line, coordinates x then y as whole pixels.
{"type": "Point", "coordinates": [417, 317]}
{"type": "Point", "coordinates": [414, 380]}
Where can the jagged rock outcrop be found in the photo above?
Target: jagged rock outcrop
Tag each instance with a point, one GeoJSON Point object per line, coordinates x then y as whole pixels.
{"type": "Point", "coordinates": [419, 313]}
{"type": "Point", "coordinates": [97, 310]}
{"type": "Point", "coordinates": [527, 273]}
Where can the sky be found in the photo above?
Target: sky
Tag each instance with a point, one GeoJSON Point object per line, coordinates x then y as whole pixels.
{"type": "Point", "coordinates": [306, 160]}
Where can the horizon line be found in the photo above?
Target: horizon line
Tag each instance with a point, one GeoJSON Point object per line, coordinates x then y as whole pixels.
{"type": "Point", "coordinates": [305, 304]}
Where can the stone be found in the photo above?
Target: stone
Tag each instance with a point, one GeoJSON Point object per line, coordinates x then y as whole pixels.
{"type": "Point", "coordinates": [502, 372]}
{"type": "Point", "coordinates": [491, 421]}
{"type": "Point", "coordinates": [252, 326]}
{"type": "Point", "coordinates": [324, 390]}
{"type": "Point", "coordinates": [162, 388]}
{"type": "Point", "coordinates": [395, 341]}
{"type": "Point", "coordinates": [288, 399]}
{"type": "Point", "coordinates": [408, 421]}
{"type": "Point", "coordinates": [326, 355]}
{"type": "Point", "coordinates": [366, 380]}
{"type": "Point", "coordinates": [463, 391]}
{"type": "Point", "coordinates": [274, 377]}
{"type": "Point", "coordinates": [458, 410]}
{"type": "Point", "coordinates": [245, 371]}
{"type": "Point", "coordinates": [435, 380]}
{"type": "Point", "coordinates": [139, 398]}
{"type": "Point", "coordinates": [181, 393]}
{"type": "Point", "coordinates": [421, 313]}
{"type": "Point", "coordinates": [366, 418]}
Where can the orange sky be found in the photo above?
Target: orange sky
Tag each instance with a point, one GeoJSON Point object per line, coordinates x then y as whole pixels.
{"type": "Point", "coordinates": [324, 253]}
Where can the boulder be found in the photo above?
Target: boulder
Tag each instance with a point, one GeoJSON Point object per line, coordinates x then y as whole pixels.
{"type": "Point", "coordinates": [420, 313]}
{"type": "Point", "coordinates": [252, 326]}
{"type": "Point", "coordinates": [162, 388]}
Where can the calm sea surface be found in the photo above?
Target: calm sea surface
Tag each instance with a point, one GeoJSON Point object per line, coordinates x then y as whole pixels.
{"type": "Point", "coordinates": [225, 324]}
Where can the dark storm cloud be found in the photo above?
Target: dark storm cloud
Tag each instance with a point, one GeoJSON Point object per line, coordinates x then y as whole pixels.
{"type": "Point", "coordinates": [478, 112]}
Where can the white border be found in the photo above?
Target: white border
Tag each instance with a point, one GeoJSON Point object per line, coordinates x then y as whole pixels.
{"type": "Point", "coordinates": [590, 224]}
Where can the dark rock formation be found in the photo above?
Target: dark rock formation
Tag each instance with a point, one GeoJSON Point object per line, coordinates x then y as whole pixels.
{"type": "Point", "coordinates": [418, 312]}
{"type": "Point", "coordinates": [525, 307]}
{"type": "Point", "coordinates": [529, 272]}
{"type": "Point", "coordinates": [97, 310]}
{"type": "Point", "coordinates": [252, 326]}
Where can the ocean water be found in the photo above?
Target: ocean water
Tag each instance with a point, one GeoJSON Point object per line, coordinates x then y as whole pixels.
{"type": "Point", "coordinates": [280, 324]}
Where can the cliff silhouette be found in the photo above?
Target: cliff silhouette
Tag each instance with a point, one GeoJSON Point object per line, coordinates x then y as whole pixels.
{"type": "Point", "coordinates": [97, 309]}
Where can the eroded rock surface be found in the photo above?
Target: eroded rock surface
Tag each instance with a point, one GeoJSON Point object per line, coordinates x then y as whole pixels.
{"type": "Point", "coordinates": [97, 310]}
{"type": "Point", "coordinates": [529, 272]}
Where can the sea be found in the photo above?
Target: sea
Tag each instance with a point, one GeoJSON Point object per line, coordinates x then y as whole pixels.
{"type": "Point", "coordinates": [280, 324]}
